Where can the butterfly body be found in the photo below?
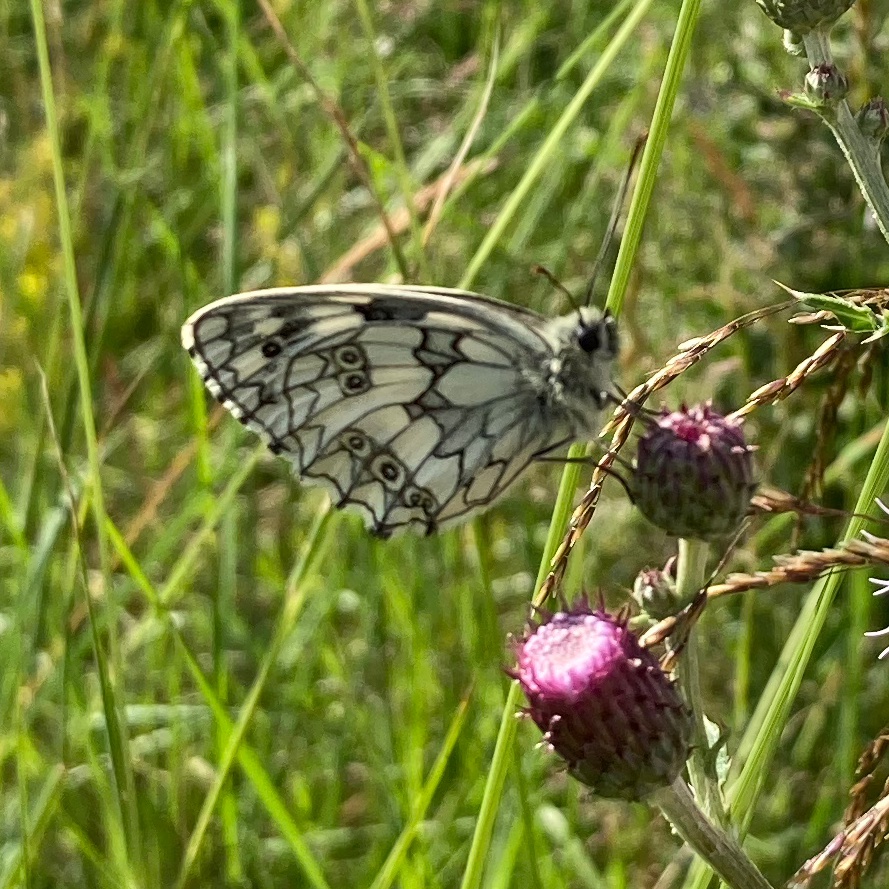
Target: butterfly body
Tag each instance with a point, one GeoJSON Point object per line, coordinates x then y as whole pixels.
{"type": "Point", "coordinates": [415, 406]}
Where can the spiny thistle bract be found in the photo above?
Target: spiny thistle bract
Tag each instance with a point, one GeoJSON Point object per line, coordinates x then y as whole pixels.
{"type": "Point", "coordinates": [694, 473]}
{"type": "Point", "coordinates": [801, 16]}
{"type": "Point", "coordinates": [603, 703]}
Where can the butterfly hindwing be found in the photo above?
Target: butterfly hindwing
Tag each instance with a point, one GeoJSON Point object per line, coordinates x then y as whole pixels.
{"type": "Point", "coordinates": [407, 404]}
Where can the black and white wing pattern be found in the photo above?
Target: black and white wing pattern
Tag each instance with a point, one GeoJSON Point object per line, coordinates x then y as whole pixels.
{"type": "Point", "coordinates": [414, 406]}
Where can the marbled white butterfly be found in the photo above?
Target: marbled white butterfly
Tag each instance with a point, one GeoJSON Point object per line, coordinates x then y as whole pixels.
{"type": "Point", "coordinates": [415, 406]}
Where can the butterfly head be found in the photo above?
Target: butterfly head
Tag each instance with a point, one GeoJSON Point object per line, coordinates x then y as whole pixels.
{"type": "Point", "coordinates": [596, 333]}
{"type": "Point", "coordinates": [579, 379]}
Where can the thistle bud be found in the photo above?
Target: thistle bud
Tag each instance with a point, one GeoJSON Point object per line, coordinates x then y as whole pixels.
{"type": "Point", "coordinates": [603, 703]}
{"type": "Point", "coordinates": [826, 85]}
{"type": "Point", "coordinates": [654, 590]}
{"type": "Point", "coordinates": [873, 120]}
{"type": "Point", "coordinates": [802, 16]}
{"type": "Point", "coordinates": [694, 473]}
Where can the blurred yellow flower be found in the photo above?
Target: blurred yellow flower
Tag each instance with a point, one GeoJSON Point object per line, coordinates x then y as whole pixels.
{"type": "Point", "coordinates": [267, 226]}
{"type": "Point", "coordinates": [32, 285]}
{"type": "Point", "coordinates": [11, 384]}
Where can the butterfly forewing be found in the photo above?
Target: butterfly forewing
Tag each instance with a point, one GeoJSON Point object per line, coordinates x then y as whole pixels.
{"type": "Point", "coordinates": [414, 406]}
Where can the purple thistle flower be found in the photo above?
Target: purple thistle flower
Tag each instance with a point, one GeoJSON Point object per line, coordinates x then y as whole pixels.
{"type": "Point", "coordinates": [603, 703]}
{"type": "Point", "coordinates": [694, 473]}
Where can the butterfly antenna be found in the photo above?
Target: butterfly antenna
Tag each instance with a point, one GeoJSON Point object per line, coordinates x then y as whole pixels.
{"type": "Point", "coordinates": [616, 211]}
{"type": "Point", "coordinates": [546, 273]}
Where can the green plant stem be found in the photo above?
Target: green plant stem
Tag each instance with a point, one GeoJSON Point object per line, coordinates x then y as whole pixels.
{"type": "Point", "coordinates": [484, 829]}
{"type": "Point", "coordinates": [503, 749]}
{"type": "Point", "coordinates": [861, 155]}
{"type": "Point", "coordinates": [553, 143]}
{"type": "Point", "coordinates": [651, 155]}
{"type": "Point", "coordinates": [224, 593]}
{"type": "Point", "coordinates": [404, 180]}
{"type": "Point", "coordinates": [691, 575]}
{"type": "Point", "coordinates": [720, 850]}
{"type": "Point", "coordinates": [231, 736]}
{"type": "Point", "coordinates": [108, 668]}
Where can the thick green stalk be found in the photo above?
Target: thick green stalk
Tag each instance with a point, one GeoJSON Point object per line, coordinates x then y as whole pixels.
{"type": "Point", "coordinates": [720, 850]}
{"type": "Point", "coordinates": [691, 575]}
{"type": "Point", "coordinates": [862, 156]}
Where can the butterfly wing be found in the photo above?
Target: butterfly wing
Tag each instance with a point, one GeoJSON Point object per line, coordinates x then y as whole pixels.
{"type": "Point", "coordinates": [410, 405]}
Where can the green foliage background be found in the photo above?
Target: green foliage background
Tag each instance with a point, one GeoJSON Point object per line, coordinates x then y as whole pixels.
{"type": "Point", "coordinates": [198, 161]}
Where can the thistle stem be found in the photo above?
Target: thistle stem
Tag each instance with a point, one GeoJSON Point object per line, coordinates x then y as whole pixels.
{"type": "Point", "coordinates": [691, 568]}
{"type": "Point", "coordinates": [860, 154]}
{"type": "Point", "coordinates": [719, 849]}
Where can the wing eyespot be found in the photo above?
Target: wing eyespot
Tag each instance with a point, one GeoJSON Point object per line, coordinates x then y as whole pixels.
{"type": "Point", "coordinates": [355, 442]}
{"type": "Point", "coordinates": [349, 357]}
{"type": "Point", "coordinates": [420, 498]}
{"type": "Point", "coordinates": [354, 383]}
{"type": "Point", "coordinates": [271, 349]}
{"type": "Point", "coordinates": [386, 469]}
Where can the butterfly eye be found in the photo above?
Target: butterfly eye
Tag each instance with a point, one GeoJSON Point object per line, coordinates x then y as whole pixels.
{"type": "Point", "coordinates": [589, 338]}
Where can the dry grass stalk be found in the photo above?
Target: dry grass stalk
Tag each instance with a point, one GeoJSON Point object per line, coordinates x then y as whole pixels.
{"type": "Point", "coordinates": [852, 850]}
{"type": "Point", "coordinates": [690, 353]}
{"type": "Point", "coordinates": [826, 425]}
{"type": "Point", "coordinates": [779, 389]}
{"type": "Point", "coordinates": [800, 567]}
{"type": "Point", "coordinates": [338, 116]}
{"type": "Point", "coordinates": [806, 566]}
{"type": "Point", "coordinates": [870, 758]}
{"type": "Point", "coordinates": [399, 220]}
{"type": "Point", "coordinates": [773, 501]}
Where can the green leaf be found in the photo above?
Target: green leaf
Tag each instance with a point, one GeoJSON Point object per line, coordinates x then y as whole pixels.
{"type": "Point", "coordinates": [854, 318]}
